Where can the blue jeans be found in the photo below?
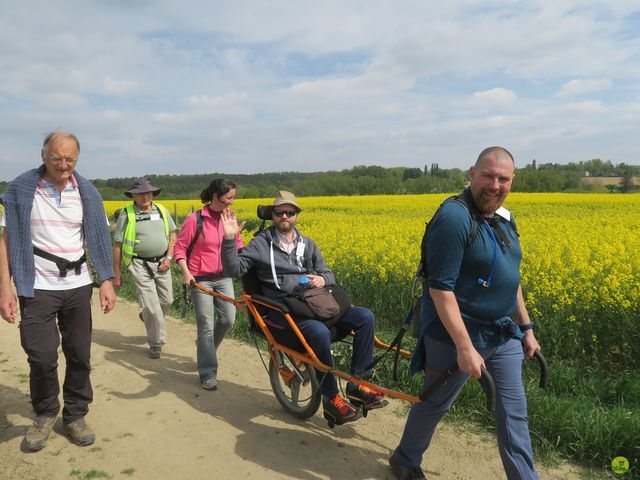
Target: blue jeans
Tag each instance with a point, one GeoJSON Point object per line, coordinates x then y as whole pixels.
{"type": "Point", "coordinates": [214, 318]}
{"type": "Point", "coordinates": [505, 365]}
{"type": "Point", "coordinates": [318, 336]}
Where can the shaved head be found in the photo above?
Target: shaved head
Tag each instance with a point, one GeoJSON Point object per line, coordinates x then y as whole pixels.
{"type": "Point", "coordinates": [498, 152]}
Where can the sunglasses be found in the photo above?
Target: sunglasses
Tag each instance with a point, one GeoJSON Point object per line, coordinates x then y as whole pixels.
{"type": "Point", "coordinates": [288, 213]}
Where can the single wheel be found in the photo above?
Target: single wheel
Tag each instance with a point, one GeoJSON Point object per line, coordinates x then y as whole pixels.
{"type": "Point", "coordinates": [295, 385]}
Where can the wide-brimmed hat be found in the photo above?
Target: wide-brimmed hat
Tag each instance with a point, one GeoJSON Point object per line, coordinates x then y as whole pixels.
{"type": "Point", "coordinates": [283, 197]}
{"type": "Point", "coordinates": [142, 185]}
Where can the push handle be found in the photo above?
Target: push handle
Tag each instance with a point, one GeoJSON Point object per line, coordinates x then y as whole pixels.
{"type": "Point", "coordinates": [486, 382]}
{"type": "Point", "coordinates": [441, 380]}
{"type": "Point", "coordinates": [544, 369]}
{"type": "Point", "coordinates": [489, 387]}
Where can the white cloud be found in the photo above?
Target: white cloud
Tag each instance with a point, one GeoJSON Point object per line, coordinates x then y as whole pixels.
{"type": "Point", "coordinates": [116, 87]}
{"type": "Point", "coordinates": [581, 86]}
{"type": "Point", "coordinates": [592, 106]}
{"type": "Point", "coordinates": [495, 96]}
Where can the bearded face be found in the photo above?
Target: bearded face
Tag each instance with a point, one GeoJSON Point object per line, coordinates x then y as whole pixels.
{"type": "Point", "coordinates": [284, 217]}
{"type": "Point", "coordinates": [491, 180]}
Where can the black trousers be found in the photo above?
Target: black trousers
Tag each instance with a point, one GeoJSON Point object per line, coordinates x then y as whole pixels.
{"type": "Point", "coordinates": [40, 340]}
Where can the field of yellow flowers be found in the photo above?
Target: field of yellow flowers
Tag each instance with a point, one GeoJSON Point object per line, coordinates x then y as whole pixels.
{"type": "Point", "coordinates": [580, 272]}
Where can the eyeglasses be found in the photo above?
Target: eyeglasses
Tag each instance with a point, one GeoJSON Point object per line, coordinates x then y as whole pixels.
{"type": "Point", "coordinates": [288, 213]}
{"type": "Point", "coordinates": [59, 160]}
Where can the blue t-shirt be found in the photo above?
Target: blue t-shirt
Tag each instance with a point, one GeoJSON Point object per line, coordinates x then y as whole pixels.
{"type": "Point", "coordinates": [454, 266]}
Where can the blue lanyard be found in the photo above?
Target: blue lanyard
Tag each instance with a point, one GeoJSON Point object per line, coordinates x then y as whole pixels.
{"type": "Point", "coordinates": [481, 281]}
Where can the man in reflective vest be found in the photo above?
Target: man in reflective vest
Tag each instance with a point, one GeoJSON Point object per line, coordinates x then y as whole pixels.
{"type": "Point", "coordinates": [143, 243]}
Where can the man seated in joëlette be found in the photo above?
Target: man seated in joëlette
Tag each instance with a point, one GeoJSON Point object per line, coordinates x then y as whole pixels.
{"type": "Point", "coordinates": [282, 257]}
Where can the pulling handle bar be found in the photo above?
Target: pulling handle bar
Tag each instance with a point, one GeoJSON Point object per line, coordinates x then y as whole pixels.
{"type": "Point", "coordinates": [544, 369]}
{"type": "Point", "coordinates": [486, 382]}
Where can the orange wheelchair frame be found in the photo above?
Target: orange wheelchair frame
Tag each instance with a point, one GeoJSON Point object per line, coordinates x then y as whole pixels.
{"type": "Point", "coordinates": [292, 372]}
{"type": "Point", "coordinates": [290, 369]}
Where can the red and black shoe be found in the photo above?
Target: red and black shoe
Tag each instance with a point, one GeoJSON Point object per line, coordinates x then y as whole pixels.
{"type": "Point", "coordinates": [366, 397]}
{"type": "Point", "coordinates": [337, 411]}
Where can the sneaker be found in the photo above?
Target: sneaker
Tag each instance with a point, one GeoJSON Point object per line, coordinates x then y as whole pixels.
{"type": "Point", "coordinates": [365, 396]}
{"type": "Point", "coordinates": [337, 411]}
{"type": "Point", "coordinates": [80, 432]}
{"type": "Point", "coordinates": [209, 384]}
{"type": "Point", "coordinates": [155, 352]}
{"type": "Point", "coordinates": [405, 472]}
{"type": "Point", "coordinates": [38, 433]}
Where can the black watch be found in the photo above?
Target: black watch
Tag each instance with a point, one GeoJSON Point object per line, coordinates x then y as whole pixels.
{"type": "Point", "coordinates": [528, 326]}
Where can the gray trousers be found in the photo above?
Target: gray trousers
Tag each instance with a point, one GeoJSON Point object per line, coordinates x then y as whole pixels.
{"type": "Point", "coordinates": [155, 295]}
{"type": "Point", "coordinates": [505, 365]}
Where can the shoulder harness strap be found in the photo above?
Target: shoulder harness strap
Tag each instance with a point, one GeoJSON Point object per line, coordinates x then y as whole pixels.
{"type": "Point", "coordinates": [197, 234]}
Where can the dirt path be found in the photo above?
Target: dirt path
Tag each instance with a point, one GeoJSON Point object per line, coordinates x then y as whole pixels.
{"type": "Point", "coordinates": [153, 421]}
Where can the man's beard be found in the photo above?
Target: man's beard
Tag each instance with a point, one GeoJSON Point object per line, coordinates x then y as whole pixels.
{"type": "Point", "coordinates": [285, 227]}
{"type": "Point", "coordinates": [486, 203]}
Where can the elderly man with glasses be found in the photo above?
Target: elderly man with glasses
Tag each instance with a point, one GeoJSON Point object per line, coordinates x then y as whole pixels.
{"type": "Point", "coordinates": [50, 214]}
{"type": "Point", "coordinates": [283, 259]}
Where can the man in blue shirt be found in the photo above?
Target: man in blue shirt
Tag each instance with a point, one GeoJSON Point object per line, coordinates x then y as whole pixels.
{"type": "Point", "coordinates": [472, 299]}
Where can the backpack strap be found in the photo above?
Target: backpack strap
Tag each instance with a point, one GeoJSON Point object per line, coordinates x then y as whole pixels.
{"type": "Point", "coordinates": [466, 201]}
{"type": "Point", "coordinates": [196, 235]}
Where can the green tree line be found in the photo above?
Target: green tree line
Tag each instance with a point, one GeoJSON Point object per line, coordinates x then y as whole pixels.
{"type": "Point", "coordinates": [376, 180]}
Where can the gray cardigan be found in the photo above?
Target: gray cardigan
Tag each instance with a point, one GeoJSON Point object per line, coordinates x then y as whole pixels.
{"type": "Point", "coordinates": [288, 267]}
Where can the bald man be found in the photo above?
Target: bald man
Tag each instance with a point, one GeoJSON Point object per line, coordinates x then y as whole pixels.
{"type": "Point", "coordinates": [471, 304]}
{"type": "Point", "coordinates": [50, 213]}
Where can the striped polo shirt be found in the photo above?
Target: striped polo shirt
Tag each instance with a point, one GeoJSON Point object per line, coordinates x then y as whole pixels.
{"type": "Point", "coordinates": [56, 227]}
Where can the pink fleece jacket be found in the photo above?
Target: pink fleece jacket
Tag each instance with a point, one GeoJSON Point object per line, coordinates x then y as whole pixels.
{"type": "Point", "coordinates": [205, 257]}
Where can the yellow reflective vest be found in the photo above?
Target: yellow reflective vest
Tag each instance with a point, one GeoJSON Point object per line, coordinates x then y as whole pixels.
{"type": "Point", "coordinates": [129, 240]}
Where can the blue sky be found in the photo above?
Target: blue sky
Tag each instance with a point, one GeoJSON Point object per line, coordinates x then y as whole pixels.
{"type": "Point", "coordinates": [255, 86]}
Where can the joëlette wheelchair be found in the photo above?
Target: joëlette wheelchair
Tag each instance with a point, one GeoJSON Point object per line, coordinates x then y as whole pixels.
{"type": "Point", "coordinates": [293, 364]}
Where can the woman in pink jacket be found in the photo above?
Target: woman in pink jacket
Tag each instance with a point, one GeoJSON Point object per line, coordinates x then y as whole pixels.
{"type": "Point", "coordinates": [197, 252]}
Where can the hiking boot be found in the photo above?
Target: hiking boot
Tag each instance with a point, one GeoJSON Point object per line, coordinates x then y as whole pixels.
{"type": "Point", "coordinates": [369, 398]}
{"type": "Point", "coordinates": [80, 432]}
{"type": "Point", "coordinates": [405, 472]}
{"type": "Point", "coordinates": [155, 352]}
{"type": "Point", "coordinates": [209, 384]}
{"type": "Point", "coordinates": [38, 433]}
{"type": "Point", "coordinates": [337, 411]}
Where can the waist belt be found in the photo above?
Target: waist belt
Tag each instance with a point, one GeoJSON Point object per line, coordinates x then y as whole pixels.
{"type": "Point", "coordinates": [152, 259]}
{"type": "Point", "coordinates": [211, 277]}
{"type": "Point", "coordinates": [63, 264]}
{"type": "Point", "coordinates": [147, 260]}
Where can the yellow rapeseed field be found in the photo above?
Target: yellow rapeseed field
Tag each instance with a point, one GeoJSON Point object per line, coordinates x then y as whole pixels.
{"type": "Point", "coordinates": [580, 271]}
